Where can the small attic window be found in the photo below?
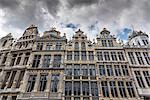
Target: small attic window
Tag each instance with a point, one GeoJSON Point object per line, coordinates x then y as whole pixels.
{"type": "Point", "coordinates": [4, 43]}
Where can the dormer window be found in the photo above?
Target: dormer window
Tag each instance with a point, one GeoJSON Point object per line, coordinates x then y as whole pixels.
{"type": "Point", "coordinates": [76, 46]}
{"type": "Point", "coordinates": [39, 46]}
{"type": "Point", "coordinates": [76, 37]}
{"type": "Point", "coordinates": [83, 47]}
{"type": "Point", "coordinates": [110, 43]}
{"type": "Point", "coordinates": [58, 46]}
{"type": "Point", "coordinates": [4, 43]}
{"type": "Point", "coordinates": [145, 42]}
{"type": "Point", "coordinates": [104, 43]}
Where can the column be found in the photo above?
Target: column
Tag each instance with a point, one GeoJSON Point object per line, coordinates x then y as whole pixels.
{"type": "Point", "coordinates": [8, 60]}
{"type": "Point", "coordinates": [87, 56]}
{"type": "Point", "coordinates": [30, 61]}
{"type": "Point", "coordinates": [62, 58]}
{"type": "Point", "coordinates": [2, 78]}
{"type": "Point", "coordinates": [60, 88]}
{"type": "Point", "coordinates": [41, 61]}
{"type": "Point", "coordinates": [48, 83]}
{"type": "Point", "coordinates": [65, 55]}
{"type": "Point", "coordinates": [9, 97]}
{"type": "Point", "coordinates": [90, 95]}
{"type": "Point", "coordinates": [72, 55]}
{"type": "Point", "coordinates": [2, 57]}
{"type": "Point", "coordinates": [51, 62]}
{"type": "Point", "coordinates": [72, 95]}
{"type": "Point", "coordinates": [24, 82]}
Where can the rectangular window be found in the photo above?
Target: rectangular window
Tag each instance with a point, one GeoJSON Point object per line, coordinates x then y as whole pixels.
{"type": "Point", "coordinates": [130, 89]}
{"type": "Point", "coordinates": [139, 79]}
{"type": "Point", "coordinates": [113, 56]}
{"type": "Point", "coordinates": [69, 55]}
{"type": "Point", "coordinates": [4, 59]}
{"type": "Point", "coordinates": [48, 46]}
{"type": "Point", "coordinates": [83, 55]}
{"type": "Point", "coordinates": [122, 90]}
{"type": "Point", "coordinates": [117, 70]}
{"type": "Point", "coordinates": [147, 77]}
{"type": "Point", "coordinates": [26, 59]}
{"type": "Point", "coordinates": [11, 79]}
{"type": "Point", "coordinates": [58, 46]}
{"type": "Point", "coordinates": [104, 43]}
{"type": "Point", "coordinates": [76, 71]}
{"type": "Point", "coordinates": [113, 88]}
{"type": "Point", "coordinates": [54, 82]}
{"type": "Point", "coordinates": [92, 70]}
{"type": "Point", "coordinates": [91, 55]}
{"type": "Point", "coordinates": [139, 57]}
{"type": "Point", "coordinates": [109, 70]}
{"type": "Point", "coordinates": [68, 88]}
{"type": "Point", "coordinates": [125, 70]}
{"type": "Point", "coordinates": [99, 56]}
{"type": "Point", "coordinates": [147, 57]}
{"type": "Point", "coordinates": [14, 97]}
{"type": "Point", "coordinates": [102, 71]}
{"type": "Point", "coordinates": [13, 59]}
{"type": "Point", "coordinates": [106, 56]}
{"type": "Point", "coordinates": [18, 59]}
{"type": "Point", "coordinates": [18, 83]}
{"type": "Point", "coordinates": [57, 61]}
{"type": "Point", "coordinates": [132, 58]}
{"type": "Point", "coordinates": [76, 55]}
{"type": "Point", "coordinates": [5, 80]}
{"type": "Point", "coordinates": [94, 89]}
{"type": "Point", "coordinates": [36, 60]}
{"type": "Point", "coordinates": [31, 83]}
{"type": "Point", "coordinates": [121, 56]}
{"type": "Point", "coordinates": [4, 98]}
{"type": "Point", "coordinates": [85, 88]}
{"type": "Point", "coordinates": [68, 71]}
{"type": "Point", "coordinates": [46, 61]}
{"type": "Point", "coordinates": [76, 88]}
{"type": "Point", "coordinates": [39, 46]}
{"type": "Point", "coordinates": [110, 43]}
{"type": "Point", "coordinates": [105, 90]}
{"type": "Point", "coordinates": [84, 70]}
{"type": "Point", "coordinates": [43, 81]}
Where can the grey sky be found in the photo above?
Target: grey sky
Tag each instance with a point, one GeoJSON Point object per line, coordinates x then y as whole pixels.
{"type": "Point", "coordinates": [69, 15]}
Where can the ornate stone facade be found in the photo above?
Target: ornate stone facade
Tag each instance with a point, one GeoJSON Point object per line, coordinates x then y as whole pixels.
{"type": "Point", "coordinates": [50, 67]}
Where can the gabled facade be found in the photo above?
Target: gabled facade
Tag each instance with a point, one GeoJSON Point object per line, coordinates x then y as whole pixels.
{"type": "Point", "coordinates": [49, 67]}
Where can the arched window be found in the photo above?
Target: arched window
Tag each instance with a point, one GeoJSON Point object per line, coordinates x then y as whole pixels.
{"type": "Point", "coordinates": [4, 43]}
{"type": "Point", "coordinates": [76, 46]}
{"type": "Point", "coordinates": [83, 47]}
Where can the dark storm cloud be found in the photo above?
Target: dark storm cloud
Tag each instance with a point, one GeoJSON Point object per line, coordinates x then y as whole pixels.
{"type": "Point", "coordinates": [9, 4]}
{"type": "Point", "coordinates": [52, 6]}
{"type": "Point", "coordinates": [78, 3]}
{"type": "Point", "coordinates": [21, 13]}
